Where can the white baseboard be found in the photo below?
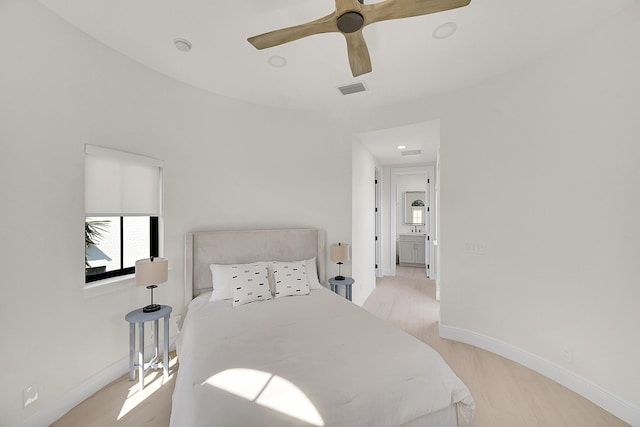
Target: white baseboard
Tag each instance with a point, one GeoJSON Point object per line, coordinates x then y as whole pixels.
{"type": "Point", "coordinates": [83, 391]}
{"type": "Point", "coordinates": [77, 395]}
{"type": "Point", "coordinates": [593, 392]}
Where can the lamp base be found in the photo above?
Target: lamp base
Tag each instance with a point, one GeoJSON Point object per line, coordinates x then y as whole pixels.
{"type": "Point", "coordinates": [339, 278]}
{"type": "Point", "coordinates": [151, 308]}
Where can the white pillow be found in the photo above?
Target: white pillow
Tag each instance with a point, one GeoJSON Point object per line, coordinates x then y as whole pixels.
{"type": "Point", "coordinates": [250, 283]}
{"type": "Point", "coordinates": [221, 279]}
{"type": "Point", "coordinates": [290, 278]}
{"type": "Point", "coordinates": [312, 274]}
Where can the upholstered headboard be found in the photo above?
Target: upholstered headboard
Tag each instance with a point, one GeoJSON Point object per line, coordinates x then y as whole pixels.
{"type": "Point", "coordinates": [203, 248]}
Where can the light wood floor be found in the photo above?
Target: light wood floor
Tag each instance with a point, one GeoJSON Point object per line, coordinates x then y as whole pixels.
{"type": "Point", "coordinates": [122, 404]}
{"type": "Point", "coordinates": [506, 394]}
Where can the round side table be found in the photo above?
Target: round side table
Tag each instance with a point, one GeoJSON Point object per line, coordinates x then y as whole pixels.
{"type": "Point", "coordinates": [139, 317]}
{"type": "Point", "coordinates": [347, 282]}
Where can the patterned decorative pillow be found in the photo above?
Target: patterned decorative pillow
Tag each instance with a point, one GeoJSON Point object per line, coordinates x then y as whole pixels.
{"type": "Point", "coordinates": [221, 278]}
{"type": "Point", "coordinates": [290, 278]}
{"type": "Point", "coordinates": [249, 283]}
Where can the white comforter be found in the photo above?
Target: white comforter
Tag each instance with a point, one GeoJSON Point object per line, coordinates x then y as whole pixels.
{"type": "Point", "coordinates": [307, 360]}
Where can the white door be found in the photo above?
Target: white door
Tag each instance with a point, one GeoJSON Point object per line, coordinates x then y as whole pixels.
{"type": "Point", "coordinates": [427, 226]}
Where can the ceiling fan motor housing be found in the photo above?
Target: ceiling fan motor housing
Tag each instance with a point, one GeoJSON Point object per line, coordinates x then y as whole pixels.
{"type": "Point", "coordinates": [350, 22]}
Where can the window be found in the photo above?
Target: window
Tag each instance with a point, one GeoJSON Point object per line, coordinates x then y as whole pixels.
{"type": "Point", "coordinates": [122, 205]}
{"type": "Point", "coordinates": [417, 215]}
{"type": "Point", "coordinates": [119, 242]}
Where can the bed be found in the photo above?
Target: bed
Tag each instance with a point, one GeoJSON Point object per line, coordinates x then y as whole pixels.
{"type": "Point", "coordinates": [311, 360]}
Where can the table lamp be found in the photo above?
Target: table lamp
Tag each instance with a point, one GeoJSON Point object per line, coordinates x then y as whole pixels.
{"type": "Point", "coordinates": [340, 254]}
{"type": "Point", "coordinates": [150, 272]}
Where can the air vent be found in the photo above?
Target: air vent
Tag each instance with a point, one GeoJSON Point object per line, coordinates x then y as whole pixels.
{"type": "Point", "coordinates": [354, 88]}
{"type": "Point", "coordinates": [411, 152]}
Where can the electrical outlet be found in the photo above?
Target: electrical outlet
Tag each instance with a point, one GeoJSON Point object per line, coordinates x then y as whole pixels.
{"type": "Point", "coordinates": [29, 395]}
{"type": "Point", "coordinates": [566, 355]}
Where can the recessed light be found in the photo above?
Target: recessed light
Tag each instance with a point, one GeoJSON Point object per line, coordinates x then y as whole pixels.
{"type": "Point", "coordinates": [182, 45]}
{"type": "Point", "coordinates": [401, 147]}
{"type": "Point", "coordinates": [277, 61]}
{"type": "Point", "coordinates": [445, 30]}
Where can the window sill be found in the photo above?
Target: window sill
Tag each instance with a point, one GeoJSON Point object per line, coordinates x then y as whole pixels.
{"type": "Point", "coordinates": [112, 284]}
{"type": "Point", "coordinates": [107, 286]}
{"type": "Point", "coordinates": [110, 280]}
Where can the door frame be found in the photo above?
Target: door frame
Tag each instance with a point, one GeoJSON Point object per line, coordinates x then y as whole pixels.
{"type": "Point", "coordinates": [429, 171]}
{"type": "Point", "coordinates": [378, 221]}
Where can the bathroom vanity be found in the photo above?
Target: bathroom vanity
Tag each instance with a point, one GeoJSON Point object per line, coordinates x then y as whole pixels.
{"type": "Point", "coordinates": [411, 249]}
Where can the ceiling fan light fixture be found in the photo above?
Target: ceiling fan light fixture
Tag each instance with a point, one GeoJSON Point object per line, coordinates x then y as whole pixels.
{"type": "Point", "coordinates": [401, 147]}
{"type": "Point", "coordinates": [182, 45]}
{"type": "Point", "coordinates": [445, 30]}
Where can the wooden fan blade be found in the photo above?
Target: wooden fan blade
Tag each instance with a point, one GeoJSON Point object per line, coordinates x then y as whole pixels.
{"type": "Point", "coordinates": [343, 6]}
{"type": "Point", "coordinates": [358, 53]}
{"type": "Point", "coordinates": [396, 9]}
{"type": "Point", "coordinates": [325, 24]}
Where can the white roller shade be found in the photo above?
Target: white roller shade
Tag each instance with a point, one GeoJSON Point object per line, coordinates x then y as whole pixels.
{"type": "Point", "coordinates": [119, 183]}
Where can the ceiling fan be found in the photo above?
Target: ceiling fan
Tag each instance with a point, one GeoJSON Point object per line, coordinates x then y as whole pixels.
{"type": "Point", "coordinates": [349, 18]}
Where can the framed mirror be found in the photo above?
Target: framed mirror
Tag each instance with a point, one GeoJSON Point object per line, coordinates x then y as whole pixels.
{"type": "Point", "coordinates": [414, 207]}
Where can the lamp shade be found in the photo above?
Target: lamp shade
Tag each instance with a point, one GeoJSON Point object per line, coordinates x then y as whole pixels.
{"type": "Point", "coordinates": [340, 252]}
{"type": "Point", "coordinates": [152, 271]}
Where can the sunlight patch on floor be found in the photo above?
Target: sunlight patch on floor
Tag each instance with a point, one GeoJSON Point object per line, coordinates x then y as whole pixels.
{"type": "Point", "coordinates": [153, 381]}
{"type": "Point", "coordinates": [268, 390]}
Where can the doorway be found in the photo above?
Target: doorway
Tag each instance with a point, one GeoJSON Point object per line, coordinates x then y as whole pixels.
{"type": "Point", "coordinates": [375, 154]}
{"type": "Point", "coordinates": [414, 239]}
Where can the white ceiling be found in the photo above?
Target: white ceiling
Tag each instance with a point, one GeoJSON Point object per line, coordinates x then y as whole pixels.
{"type": "Point", "coordinates": [493, 36]}
{"type": "Point", "coordinates": [383, 144]}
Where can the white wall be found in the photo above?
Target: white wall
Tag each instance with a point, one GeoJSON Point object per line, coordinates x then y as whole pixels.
{"type": "Point", "coordinates": [541, 166]}
{"type": "Point", "coordinates": [228, 165]}
{"type": "Point", "coordinates": [363, 261]}
{"type": "Point", "coordinates": [553, 152]}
